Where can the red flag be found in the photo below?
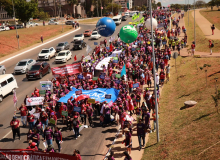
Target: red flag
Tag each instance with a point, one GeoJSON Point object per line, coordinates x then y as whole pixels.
{"type": "Point", "coordinates": [111, 48]}
{"type": "Point", "coordinates": [75, 58]}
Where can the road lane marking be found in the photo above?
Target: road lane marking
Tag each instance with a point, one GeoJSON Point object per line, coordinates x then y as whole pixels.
{"type": "Point", "coordinates": [5, 135]}
{"type": "Point", "coordinates": [38, 46]}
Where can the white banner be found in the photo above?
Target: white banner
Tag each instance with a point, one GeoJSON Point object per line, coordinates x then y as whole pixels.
{"type": "Point", "coordinates": [32, 101]}
{"type": "Point", "coordinates": [46, 85]}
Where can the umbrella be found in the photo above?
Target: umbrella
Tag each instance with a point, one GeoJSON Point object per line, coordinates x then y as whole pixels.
{"type": "Point", "coordinates": [81, 97]}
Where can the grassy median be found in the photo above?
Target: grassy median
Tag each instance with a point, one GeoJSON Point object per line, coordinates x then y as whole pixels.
{"type": "Point", "coordinates": [28, 37]}
{"type": "Point", "coordinates": [188, 133]}
{"type": "Point", "coordinates": [201, 41]}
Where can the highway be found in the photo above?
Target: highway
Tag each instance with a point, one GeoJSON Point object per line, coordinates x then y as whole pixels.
{"type": "Point", "coordinates": [93, 141]}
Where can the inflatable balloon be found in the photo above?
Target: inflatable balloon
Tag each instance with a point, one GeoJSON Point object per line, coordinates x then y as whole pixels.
{"type": "Point", "coordinates": [105, 27]}
{"type": "Point", "coordinates": [128, 34]}
{"type": "Point", "coordinates": [148, 24]}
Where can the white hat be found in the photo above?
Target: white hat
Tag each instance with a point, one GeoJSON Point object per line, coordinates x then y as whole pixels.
{"type": "Point", "coordinates": [42, 110]}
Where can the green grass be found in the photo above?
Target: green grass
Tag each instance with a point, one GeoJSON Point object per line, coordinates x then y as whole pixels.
{"type": "Point", "coordinates": [186, 133]}
{"type": "Point", "coordinates": [213, 16]}
{"type": "Point", "coordinates": [201, 41]}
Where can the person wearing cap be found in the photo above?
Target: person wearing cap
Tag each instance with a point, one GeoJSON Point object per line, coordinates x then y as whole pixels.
{"type": "Point", "coordinates": [32, 146]}
{"type": "Point", "coordinates": [15, 123]}
{"type": "Point", "coordinates": [48, 134]}
{"type": "Point", "coordinates": [76, 124]}
{"type": "Point", "coordinates": [141, 133]}
{"type": "Point", "coordinates": [23, 111]}
{"type": "Point", "coordinates": [44, 118]}
{"type": "Point", "coordinates": [57, 135]}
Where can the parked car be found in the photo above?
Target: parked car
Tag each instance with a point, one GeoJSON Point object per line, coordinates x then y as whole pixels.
{"type": "Point", "coordinates": [38, 70]}
{"type": "Point", "coordinates": [52, 23]}
{"type": "Point", "coordinates": [78, 37]}
{"type": "Point", "coordinates": [63, 56]}
{"type": "Point", "coordinates": [8, 85]}
{"type": "Point", "coordinates": [23, 66]}
{"type": "Point", "coordinates": [19, 26]}
{"type": "Point", "coordinates": [69, 22]}
{"type": "Point", "coordinates": [87, 33]}
{"type": "Point", "coordinates": [124, 18]}
{"type": "Point", "coordinates": [2, 69]}
{"type": "Point", "coordinates": [79, 45]}
{"type": "Point", "coordinates": [12, 27]}
{"type": "Point", "coordinates": [62, 46]}
{"type": "Point", "coordinates": [31, 24]}
{"type": "Point", "coordinates": [95, 35]}
{"type": "Point", "coordinates": [46, 54]}
{"type": "Point", "coordinates": [4, 28]}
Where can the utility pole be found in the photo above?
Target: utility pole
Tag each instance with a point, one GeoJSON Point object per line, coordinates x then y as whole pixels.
{"type": "Point", "coordinates": [195, 21]}
{"type": "Point", "coordinates": [154, 70]}
{"type": "Point", "coordinates": [17, 36]}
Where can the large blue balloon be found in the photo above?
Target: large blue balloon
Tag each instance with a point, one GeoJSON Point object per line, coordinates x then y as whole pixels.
{"type": "Point", "coordinates": [105, 26]}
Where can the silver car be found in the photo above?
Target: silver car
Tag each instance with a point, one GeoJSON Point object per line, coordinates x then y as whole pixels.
{"type": "Point", "coordinates": [24, 65]}
{"type": "Point", "coordinates": [2, 69]}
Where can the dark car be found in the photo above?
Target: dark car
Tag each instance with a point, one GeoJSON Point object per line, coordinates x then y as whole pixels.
{"type": "Point", "coordinates": [12, 27]}
{"type": "Point", "coordinates": [62, 46]}
{"type": "Point", "coordinates": [124, 18]}
{"type": "Point", "coordinates": [19, 26]}
{"type": "Point", "coordinates": [79, 45]}
{"type": "Point", "coordinates": [38, 70]}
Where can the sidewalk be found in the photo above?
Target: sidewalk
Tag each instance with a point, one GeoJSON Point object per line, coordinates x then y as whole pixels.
{"type": "Point", "coordinates": [205, 25]}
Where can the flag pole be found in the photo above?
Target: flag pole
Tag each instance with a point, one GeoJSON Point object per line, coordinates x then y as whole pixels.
{"type": "Point", "coordinates": [155, 89]}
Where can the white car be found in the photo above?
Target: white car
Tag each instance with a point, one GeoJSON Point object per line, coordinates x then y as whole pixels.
{"type": "Point", "coordinates": [126, 14]}
{"type": "Point", "coordinates": [78, 37]}
{"type": "Point", "coordinates": [95, 35]}
{"type": "Point", "coordinates": [31, 24]}
{"type": "Point", "coordinates": [52, 23]}
{"type": "Point", "coordinates": [24, 65]}
{"type": "Point", "coordinates": [4, 28]}
{"type": "Point", "coordinates": [63, 56]}
{"type": "Point", "coordinates": [46, 54]}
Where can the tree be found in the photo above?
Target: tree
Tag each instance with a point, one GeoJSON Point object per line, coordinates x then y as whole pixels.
{"type": "Point", "coordinates": [23, 10]}
{"type": "Point", "coordinates": [40, 14]}
{"type": "Point", "coordinates": [159, 4]}
{"type": "Point", "coordinates": [115, 8]}
{"type": "Point", "coordinates": [72, 3]}
{"type": "Point", "coordinates": [200, 4]}
{"type": "Point", "coordinates": [212, 4]}
{"type": "Point", "coordinates": [143, 8]}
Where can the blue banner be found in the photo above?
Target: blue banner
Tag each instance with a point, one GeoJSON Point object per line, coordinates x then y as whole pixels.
{"type": "Point", "coordinates": [98, 94]}
{"type": "Point", "coordinates": [95, 43]}
{"type": "Point", "coordinates": [135, 85]}
{"type": "Point", "coordinates": [77, 109]}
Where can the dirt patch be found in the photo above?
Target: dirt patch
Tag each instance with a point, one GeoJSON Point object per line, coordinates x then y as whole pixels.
{"type": "Point", "coordinates": [28, 37]}
{"type": "Point", "coordinates": [213, 16]}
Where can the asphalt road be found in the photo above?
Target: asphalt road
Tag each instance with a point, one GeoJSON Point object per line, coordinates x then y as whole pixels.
{"type": "Point", "coordinates": [92, 143]}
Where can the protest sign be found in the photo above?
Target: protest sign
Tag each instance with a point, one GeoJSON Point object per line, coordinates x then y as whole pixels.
{"type": "Point", "coordinates": [52, 121]}
{"type": "Point", "coordinates": [64, 113]}
{"type": "Point", "coordinates": [118, 76]}
{"type": "Point", "coordinates": [107, 78]}
{"type": "Point", "coordinates": [108, 96]}
{"type": "Point", "coordinates": [42, 92]}
{"type": "Point", "coordinates": [95, 78]}
{"type": "Point", "coordinates": [91, 101]}
{"type": "Point", "coordinates": [135, 85]}
{"type": "Point", "coordinates": [77, 109]}
{"type": "Point", "coordinates": [78, 92]}
{"type": "Point", "coordinates": [33, 101]}
{"type": "Point", "coordinates": [46, 85]}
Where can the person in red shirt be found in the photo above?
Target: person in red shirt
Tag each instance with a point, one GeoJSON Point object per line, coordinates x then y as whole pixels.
{"type": "Point", "coordinates": [193, 46]}
{"type": "Point", "coordinates": [210, 46]}
{"type": "Point", "coordinates": [33, 146]}
{"type": "Point", "coordinates": [36, 92]}
{"type": "Point", "coordinates": [37, 109]}
{"type": "Point", "coordinates": [44, 118]}
{"type": "Point", "coordinates": [76, 154]}
{"type": "Point", "coordinates": [30, 119]}
{"type": "Point", "coordinates": [130, 84]}
{"type": "Point", "coordinates": [15, 123]}
{"type": "Point", "coordinates": [53, 117]}
{"type": "Point", "coordinates": [23, 110]}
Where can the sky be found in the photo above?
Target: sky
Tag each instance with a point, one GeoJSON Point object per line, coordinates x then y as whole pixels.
{"type": "Point", "coordinates": [166, 2]}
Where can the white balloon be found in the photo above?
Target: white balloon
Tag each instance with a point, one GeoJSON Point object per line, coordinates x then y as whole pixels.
{"type": "Point", "coordinates": [148, 24]}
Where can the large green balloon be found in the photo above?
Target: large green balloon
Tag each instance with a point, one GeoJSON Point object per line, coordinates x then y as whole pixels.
{"type": "Point", "coordinates": [128, 34]}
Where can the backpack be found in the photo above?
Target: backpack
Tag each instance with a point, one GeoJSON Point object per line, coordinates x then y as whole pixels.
{"type": "Point", "coordinates": [74, 123]}
{"type": "Point", "coordinates": [212, 45]}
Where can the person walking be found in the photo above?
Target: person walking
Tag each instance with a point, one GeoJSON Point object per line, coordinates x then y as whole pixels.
{"type": "Point", "coordinates": [76, 124]}
{"type": "Point", "coordinates": [211, 45]}
{"type": "Point", "coordinates": [48, 134]}
{"type": "Point", "coordinates": [193, 46]}
{"type": "Point", "coordinates": [42, 39]}
{"type": "Point", "coordinates": [36, 137]}
{"type": "Point", "coordinates": [57, 135]}
{"type": "Point", "coordinates": [43, 23]}
{"type": "Point", "coordinates": [141, 133]}
{"type": "Point", "coordinates": [23, 110]}
{"type": "Point", "coordinates": [15, 123]}
{"type": "Point", "coordinates": [128, 141]}
{"type": "Point", "coordinates": [213, 28]}
{"type": "Point", "coordinates": [30, 119]}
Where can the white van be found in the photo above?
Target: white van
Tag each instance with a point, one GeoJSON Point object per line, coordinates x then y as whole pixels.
{"type": "Point", "coordinates": [8, 85]}
{"type": "Point", "coordinates": [117, 19]}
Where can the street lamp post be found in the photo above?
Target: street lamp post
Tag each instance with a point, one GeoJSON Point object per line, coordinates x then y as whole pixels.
{"type": "Point", "coordinates": [17, 36]}
{"type": "Point", "coordinates": [155, 89]}
{"type": "Point", "coordinates": [195, 22]}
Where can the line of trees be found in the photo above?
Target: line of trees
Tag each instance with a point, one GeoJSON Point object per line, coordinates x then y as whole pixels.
{"type": "Point", "coordinates": [213, 3]}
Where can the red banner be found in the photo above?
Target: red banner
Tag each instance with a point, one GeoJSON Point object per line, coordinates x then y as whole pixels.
{"type": "Point", "coordinates": [27, 154]}
{"type": "Point", "coordinates": [69, 69]}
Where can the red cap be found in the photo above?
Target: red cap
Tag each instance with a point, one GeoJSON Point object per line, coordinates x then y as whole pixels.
{"type": "Point", "coordinates": [75, 117]}
{"type": "Point", "coordinates": [33, 144]}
